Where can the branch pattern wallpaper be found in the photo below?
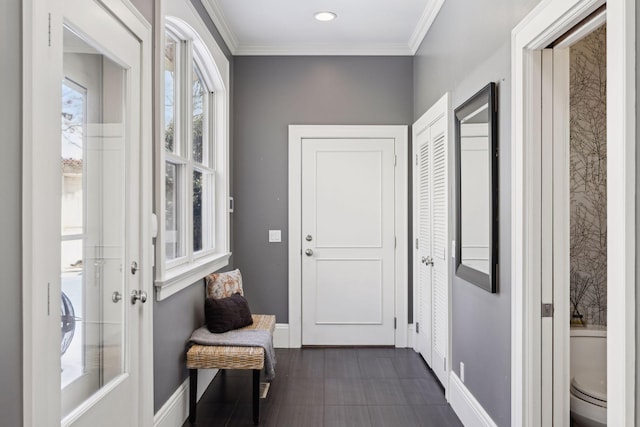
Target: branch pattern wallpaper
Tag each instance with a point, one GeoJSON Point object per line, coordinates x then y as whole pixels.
{"type": "Point", "coordinates": [588, 180]}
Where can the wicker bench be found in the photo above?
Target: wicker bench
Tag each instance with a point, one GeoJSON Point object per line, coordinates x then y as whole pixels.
{"type": "Point", "coordinates": [229, 357]}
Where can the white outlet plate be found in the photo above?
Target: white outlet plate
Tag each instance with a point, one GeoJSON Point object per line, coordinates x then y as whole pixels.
{"type": "Point", "coordinates": [275, 236]}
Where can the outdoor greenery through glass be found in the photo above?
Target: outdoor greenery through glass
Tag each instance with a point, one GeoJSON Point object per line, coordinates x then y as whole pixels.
{"type": "Point", "coordinates": [169, 93]}
{"type": "Point", "coordinates": [197, 211]}
{"type": "Point", "coordinates": [198, 114]}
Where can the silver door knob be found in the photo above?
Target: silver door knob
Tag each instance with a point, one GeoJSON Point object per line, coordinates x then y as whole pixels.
{"type": "Point", "coordinates": [138, 296]}
{"type": "Point", "coordinates": [308, 238]}
{"type": "Point", "coordinates": [424, 260]}
{"type": "Point", "coordinates": [309, 252]}
{"type": "Point", "coordinates": [116, 296]}
{"type": "Point", "coordinates": [429, 261]}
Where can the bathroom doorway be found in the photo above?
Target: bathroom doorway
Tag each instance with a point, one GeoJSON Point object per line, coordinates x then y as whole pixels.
{"type": "Point", "coordinates": [574, 226]}
{"type": "Point", "coordinates": [541, 314]}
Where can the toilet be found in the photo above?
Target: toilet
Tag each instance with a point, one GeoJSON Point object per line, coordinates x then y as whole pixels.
{"type": "Point", "coordinates": [588, 398]}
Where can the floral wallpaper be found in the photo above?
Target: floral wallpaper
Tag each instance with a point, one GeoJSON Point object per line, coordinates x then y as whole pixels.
{"type": "Point", "coordinates": [588, 179]}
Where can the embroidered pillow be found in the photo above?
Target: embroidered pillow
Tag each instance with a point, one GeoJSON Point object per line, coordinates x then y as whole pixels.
{"type": "Point", "coordinates": [226, 314]}
{"type": "Point", "coordinates": [223, 285]}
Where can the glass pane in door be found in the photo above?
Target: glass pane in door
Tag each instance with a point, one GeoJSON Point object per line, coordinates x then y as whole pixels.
{"type": "Point", "coordinates": [92, 269]}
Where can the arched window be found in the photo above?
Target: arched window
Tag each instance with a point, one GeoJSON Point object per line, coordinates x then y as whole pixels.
{"type": "Point", "coordinates": [193, 235]}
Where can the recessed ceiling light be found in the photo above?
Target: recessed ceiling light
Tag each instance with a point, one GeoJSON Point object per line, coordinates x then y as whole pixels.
{"type": "Point", "coordinates": [325, 16]}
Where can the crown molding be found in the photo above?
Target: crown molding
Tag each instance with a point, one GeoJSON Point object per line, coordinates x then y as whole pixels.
{"type": "Point", "coordinates": [216, 15]}
{"type": "Point", "coordinates": [340, 49]}
{"type": "Point", "coordinates": [426, 20]}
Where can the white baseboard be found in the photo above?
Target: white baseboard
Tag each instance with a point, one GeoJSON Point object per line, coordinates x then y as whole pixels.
{"type": "Point", "coordinates": [465, 405]}
{"type": "Point", "coordinates": [281, 336]}
{"type": "Point", "coordinates": [411, 335]}
{"type": "Point", "coordinates": [175, 410]}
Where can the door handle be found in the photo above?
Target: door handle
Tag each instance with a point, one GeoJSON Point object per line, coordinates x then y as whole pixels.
{"type": "Point", "coordinates": [138, 295]}
{"type": "Point", "coordinates": [116, 296]}
{"type": "Point", "coordinates": [427, 260]}
{"type": "Point", "coordinates": [308, 252]}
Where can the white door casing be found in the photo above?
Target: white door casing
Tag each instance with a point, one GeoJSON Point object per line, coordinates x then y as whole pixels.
{"type": "Point", "coordinates": [542, 26]}
{"type": "Point", "coordinates": [431, 264]}
{"type": "Point", "coordinates": [117, 30]}
{"type": "Point", "coordinates": [348, 227]}
{"type": "Point", "coordinates": [298, 133]}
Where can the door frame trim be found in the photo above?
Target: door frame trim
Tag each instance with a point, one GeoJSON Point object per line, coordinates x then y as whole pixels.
{"type": "Point", "coordinates": [440, 109]}
{"type": "Point", "coordinates": [296, 134]}
{"type": "Point", "coordinates": [543, 25]}
{"type": "Point", "coordinates": [38, 409]}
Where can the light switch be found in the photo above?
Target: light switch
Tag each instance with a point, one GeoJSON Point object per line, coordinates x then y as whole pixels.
{"type": "Point", "coordinates": [275, 236]}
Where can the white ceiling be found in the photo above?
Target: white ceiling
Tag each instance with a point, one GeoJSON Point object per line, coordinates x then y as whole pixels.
{"type": "Point", "coordinates": [288, 27]}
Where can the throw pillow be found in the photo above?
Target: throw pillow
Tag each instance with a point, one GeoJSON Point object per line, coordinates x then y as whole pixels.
{"type": "Point", "coordinates": [223, 285]}
{"type": "Point", "coordinates": [226, 314]}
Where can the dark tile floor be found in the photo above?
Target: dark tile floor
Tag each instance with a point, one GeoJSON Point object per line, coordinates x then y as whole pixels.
{"type": "Point", "coordinates": [333, 388]}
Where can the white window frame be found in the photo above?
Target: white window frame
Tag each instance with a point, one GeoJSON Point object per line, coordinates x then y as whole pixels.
{"type": "Point", "coordinates": [180, 18]}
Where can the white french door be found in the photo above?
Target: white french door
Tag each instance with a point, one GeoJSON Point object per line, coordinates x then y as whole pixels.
{"type": "Point", "coordinates": [431, 231]}
{"type": "Point", "coordinates": [88, 172]}
{"type": "Point", "coordinates": [100, 202]}
{"type": "Point", "coordinates": [348, 241]}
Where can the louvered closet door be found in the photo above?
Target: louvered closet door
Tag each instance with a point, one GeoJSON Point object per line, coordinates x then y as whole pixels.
{"type": "Point", "coordinates": [439, 273]}
{"type": "Point", "coordinates": [424, 247]}
{"type": "Point", "coordinates": [431, 229]}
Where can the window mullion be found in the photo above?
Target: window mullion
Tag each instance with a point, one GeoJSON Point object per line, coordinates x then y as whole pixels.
{"type": "Point", "coordinates": [187, 96]}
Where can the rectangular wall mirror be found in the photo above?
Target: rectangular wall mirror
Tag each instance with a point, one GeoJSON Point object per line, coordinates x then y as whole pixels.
{"type": "Point", "coordinates": [476, 150]}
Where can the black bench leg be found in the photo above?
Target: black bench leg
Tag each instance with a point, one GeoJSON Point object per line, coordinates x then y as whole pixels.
{"type": "Point", "coordinates": [256, 396]}
{"type": "Point", "coordinates": [193, 394]}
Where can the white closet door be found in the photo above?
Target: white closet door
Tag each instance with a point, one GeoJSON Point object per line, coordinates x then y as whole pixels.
{"type": "Point", "coordinates": [439, 229]}
{"type": "Point", "coordinates": [424, 246]}
{"type": "Point", "coordinates": [431, 228]}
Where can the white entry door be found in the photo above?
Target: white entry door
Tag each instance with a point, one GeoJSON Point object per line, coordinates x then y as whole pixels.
{"type": "Point", "coordinates": [91, 245]}
{"type": "Point", "coordinates": [431, 231]}
{"type": "Point", "coordinates": [100, 217]}
{"type": "Point", "coordinates": [348, 242]}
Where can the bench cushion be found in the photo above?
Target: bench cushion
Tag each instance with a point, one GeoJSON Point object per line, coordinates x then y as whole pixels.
{"type": "Point", "coordinates": [232, 357]}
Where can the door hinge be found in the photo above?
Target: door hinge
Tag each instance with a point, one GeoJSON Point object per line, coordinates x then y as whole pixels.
{"type": "Point", "coordinates": [444, 363]}
{"type": "Point", "coordinates": [395, 160]}
{"type": "Point", "coordinates": [417, 327]}
{"type": "Point", "coordinates": [395, 323]}
{"type": "Point", "coordinates": [395, 242]}
{"type": "Point", "coordinates": [49, 30]}
{"type": "Point", "coordinates": [547, 310]}
{"type": "Point", "coordinates": [416, 160]}
{"type": "Point", "coordinates": [417, 247]}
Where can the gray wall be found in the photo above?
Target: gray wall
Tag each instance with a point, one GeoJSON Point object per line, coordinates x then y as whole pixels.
{"type": "Point", "coordinates": [176, 317]}
{"type": "Point", "coordinates": [11, 217]}
{"type": "Point", "coordinates": [461, 54]}
{"type": "Point", "coordinates": [270, 94]}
